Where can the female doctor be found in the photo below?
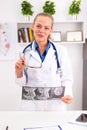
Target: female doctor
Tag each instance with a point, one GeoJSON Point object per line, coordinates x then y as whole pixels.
{"type": "Point", "coordinates": [43, 70]}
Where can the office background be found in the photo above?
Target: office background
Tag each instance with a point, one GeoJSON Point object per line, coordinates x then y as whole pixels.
{"type": "Point", "coordinates": [10, 92]}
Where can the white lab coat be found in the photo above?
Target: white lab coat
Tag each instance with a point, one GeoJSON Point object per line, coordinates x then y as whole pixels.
{"type": "Point", "coordinates": [46, 76]}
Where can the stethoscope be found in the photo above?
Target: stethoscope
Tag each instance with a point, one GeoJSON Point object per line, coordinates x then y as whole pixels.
{"type": "Point", "coordinates": [56, 55]}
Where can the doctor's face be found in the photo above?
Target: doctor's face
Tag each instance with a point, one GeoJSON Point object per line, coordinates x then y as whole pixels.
{"type": "Point", "coordinates": [42, 28]}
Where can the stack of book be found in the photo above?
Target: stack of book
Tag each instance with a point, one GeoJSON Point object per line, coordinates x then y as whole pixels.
{"type": "Point", "coordinates": [25, 35]}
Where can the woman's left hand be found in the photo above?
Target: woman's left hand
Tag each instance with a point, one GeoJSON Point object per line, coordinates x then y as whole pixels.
{"type": "Point", "coordinates": [67, 99]}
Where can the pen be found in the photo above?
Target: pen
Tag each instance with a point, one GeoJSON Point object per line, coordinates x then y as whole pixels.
{"type": "Point", "coordinates": [60, 127]}
{"type": "Point", "coordinates": [32, 128]}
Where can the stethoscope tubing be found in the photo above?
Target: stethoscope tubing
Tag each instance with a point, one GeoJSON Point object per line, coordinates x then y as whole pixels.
{"type": "Point", "coordinates": [56, 53]}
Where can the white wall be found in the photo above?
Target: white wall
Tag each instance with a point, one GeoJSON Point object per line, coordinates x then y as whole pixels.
{"type": "Point", "coordinates": [10, 92]}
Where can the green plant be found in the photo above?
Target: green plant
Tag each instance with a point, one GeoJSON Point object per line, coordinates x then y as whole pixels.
{"type": "Point", "coordinates": [49, 7]}
{"type": "Point", "coordinates": [74, 8]}
{"type": "Point", "coordinates": [26, 8]}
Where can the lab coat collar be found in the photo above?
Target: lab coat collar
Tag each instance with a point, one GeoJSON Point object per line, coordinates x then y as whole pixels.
{"type": "Point", "coordinates": [34, 53]}
{"type": "Point", "coordinates": [49, 55]}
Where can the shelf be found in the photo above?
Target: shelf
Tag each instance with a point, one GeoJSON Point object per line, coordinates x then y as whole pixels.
{"type": "Point", "coordinates": [74, 26]}
{"type": "Point", "coordinates": [82, 42]}
{"type": "Point", "coordinates": [61, 28]}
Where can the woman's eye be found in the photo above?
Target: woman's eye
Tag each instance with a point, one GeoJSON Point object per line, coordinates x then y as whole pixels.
{"type": "Point", "coordinates": [47, 28]}
{"type": "Point", "coordinates": [38, 26]}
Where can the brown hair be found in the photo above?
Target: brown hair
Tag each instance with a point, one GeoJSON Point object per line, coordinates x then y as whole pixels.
{"type": "Point", "coordinates": [46, 15]}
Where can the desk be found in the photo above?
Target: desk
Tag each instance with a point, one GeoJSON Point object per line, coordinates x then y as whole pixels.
{"type": "Point", "coordinates": [17, 120]}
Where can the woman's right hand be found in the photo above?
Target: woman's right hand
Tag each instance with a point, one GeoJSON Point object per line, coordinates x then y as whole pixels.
{"type": "Point", "coordinates": [19, 67]}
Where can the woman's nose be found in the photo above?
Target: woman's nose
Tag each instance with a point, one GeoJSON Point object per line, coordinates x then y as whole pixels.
{"type": "Point", "coordinates": [42, 29]}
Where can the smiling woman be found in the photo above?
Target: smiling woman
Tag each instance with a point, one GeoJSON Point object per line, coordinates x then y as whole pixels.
{"type": "Point", "coordinates": [54, 73]}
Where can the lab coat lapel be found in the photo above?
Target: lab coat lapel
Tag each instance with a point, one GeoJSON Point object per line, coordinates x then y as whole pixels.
{"type": "Point", "coordinates": [35, 55]}
{"type": "Point", "coordinates": [50, 53]}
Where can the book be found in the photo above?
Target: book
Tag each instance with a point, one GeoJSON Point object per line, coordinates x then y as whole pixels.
{"type": "Point", "coordinates": [21, 35]}
{"type": "Point", "coordinates": [26, 35]}
{"type": "Point", "coordinates": [30, 34]}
